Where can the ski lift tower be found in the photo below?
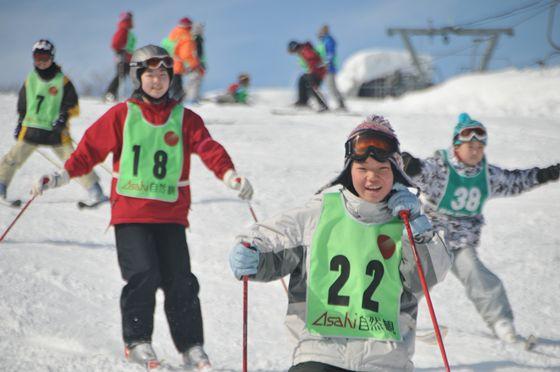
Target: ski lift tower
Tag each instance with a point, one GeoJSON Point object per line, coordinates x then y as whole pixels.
{"type": "Point", "coordinates": [491, 34]}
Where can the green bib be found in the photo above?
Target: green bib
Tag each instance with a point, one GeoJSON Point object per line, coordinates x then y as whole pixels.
{"type": "Point", "coordinates": [130, 42]}
{"type": "Point", "coordinates": [43, 100]}
{"type": "Point", "coordinates": [464, 196]}
{"type": "Point", "coordinates": [169, 45]}
{"type": "Point", "coordinates": [151, 160]}
{"type": "Point", "coordinates": [354, 285]}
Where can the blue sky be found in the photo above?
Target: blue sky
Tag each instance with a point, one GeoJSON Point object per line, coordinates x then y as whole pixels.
{"type": "Point", "coordinates": [251, 35]}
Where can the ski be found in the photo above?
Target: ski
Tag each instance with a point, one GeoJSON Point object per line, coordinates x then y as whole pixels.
{"type": "Point", "coordinates": [429, 336]}
{"type": "Point", "coordinates": [295, 112]}
{"type": "Point", "coordinates": [86, 205]}
{"type": "Point", "coordinates": [16, 203]}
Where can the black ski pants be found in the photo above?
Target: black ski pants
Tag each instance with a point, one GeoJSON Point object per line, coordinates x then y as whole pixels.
{"type": "Point", "coordinates": [315, 367]}
{"type": "Point", "coordinates": [308, 86]}
{"type": "Point", "coordinates": [122, 72]}
{"type": "Point", "coordinates": [153, 256]}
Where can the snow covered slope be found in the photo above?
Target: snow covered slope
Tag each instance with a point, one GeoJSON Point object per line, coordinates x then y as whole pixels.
{"type": "Point", "coordinates": [60, 282]}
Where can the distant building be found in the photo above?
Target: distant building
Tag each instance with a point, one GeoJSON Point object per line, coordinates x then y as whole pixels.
{"type": "Point", "coordinates": [382, 73]}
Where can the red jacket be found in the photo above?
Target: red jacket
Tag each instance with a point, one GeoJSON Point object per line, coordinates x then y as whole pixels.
{"type": "Point", "coordinates": [313, 60]}
{"type": "Point", "coordinates": [106, 136]}
{"type": "Point", "coordinates": [120, 38]}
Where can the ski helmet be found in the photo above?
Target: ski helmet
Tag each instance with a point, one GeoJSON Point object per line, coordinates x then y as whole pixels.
{"type": "Point", "coordinates": [43, 46]}
{"type": "Point", "coordinates": [185, 22]}
{"type": "Point", "coordinates": [477, 132]}
{"type": "Point", "coordinates": [139, 59]}
{"type": "Point", "coordinates": [243, 78]}
{"type": "Point", "coordinates": [374, 126]}
{"type": "Point", "coordinates": [293, 46]}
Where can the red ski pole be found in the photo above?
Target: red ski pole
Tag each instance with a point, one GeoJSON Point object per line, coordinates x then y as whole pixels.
{"type": "Point", "coordinates": [245, 304]}
{"type": "Point", "coordinates": [17, 217]}
{"type": "Point", "coordinates": [404, 216]}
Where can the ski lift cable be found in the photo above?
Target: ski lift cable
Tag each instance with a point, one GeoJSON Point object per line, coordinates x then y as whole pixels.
{"type": "Point", "coordinates": [509, 13]}
{"type": "Point", "coordinates": [550, 26]}
{"type": "Point", "coordinates": [537, 10]}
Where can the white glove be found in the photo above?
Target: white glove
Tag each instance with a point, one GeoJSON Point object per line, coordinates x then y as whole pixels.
{"type": "Point", "coordinates": [50, 181]}
{"type": "Point", "coordinates": [235, 182]}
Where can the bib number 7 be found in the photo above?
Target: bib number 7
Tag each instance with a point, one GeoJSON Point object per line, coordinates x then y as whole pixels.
{"type": "Point", "coordinates": [374, 268]}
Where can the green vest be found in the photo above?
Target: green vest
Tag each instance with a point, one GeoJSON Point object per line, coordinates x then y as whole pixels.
{"type": "Point", "coordinates": [354, 285]}
{"type": "Point", "coordinates": [43, 100]}
{"type": "Point", "coordinates": [241, 94]}
{"type": "Point", "coordinates": [464, 196]}
{"type": "Point", "coordinates": [130, 42]}
{"type": "Point", "coordinates": [169, 45]}
{"type": "Point", "coordinates": [151, 160]}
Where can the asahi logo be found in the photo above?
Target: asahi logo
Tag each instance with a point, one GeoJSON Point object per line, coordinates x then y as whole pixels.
{"type": "Point", "coordinates": [53, 91]}
{"type": "Point", "coordinates": [171, 138]}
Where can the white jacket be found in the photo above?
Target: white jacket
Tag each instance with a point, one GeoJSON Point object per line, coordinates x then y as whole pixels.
{"type": "Point", "coordinates": [284, 243]}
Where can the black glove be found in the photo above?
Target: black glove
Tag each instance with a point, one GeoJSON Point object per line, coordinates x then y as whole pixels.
{"type": "Point", "coordinates": [551, 173]}
{"type": "Point", "coordinates": [412, 165]}
{"type": "Point", "coordinates": [59, 125]}
{"type": "Point", "coordinates": [17, 130]}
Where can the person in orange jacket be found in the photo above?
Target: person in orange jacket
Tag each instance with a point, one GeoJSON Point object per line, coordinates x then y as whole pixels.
{"type": "Point", "coordinates": [123, 44]}
{"type": "Point", "coordinates": [182, 47]}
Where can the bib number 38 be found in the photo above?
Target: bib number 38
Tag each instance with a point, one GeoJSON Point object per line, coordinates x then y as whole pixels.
{"type": "Point", "coordinates": [468, 199]}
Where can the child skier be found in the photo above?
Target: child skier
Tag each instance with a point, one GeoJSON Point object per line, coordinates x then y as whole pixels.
{"type": "Point", "coordinates": [152, 138]}
{"type": "Point", "coordinates": [456, 183]}
{"type": "Point", "coordinates": [236, 92]}
{"type": "Point", "coordinates": [314, 73]}
{"type": "Point", "coordinates": [46, 102]}
{"type": "Point", "coordinates": [354, 288]}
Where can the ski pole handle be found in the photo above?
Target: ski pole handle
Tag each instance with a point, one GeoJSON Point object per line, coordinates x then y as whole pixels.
{"type": "Point", "coordinates": [256, 220]}
{"type": "Point", "coordinates": [404, 215]}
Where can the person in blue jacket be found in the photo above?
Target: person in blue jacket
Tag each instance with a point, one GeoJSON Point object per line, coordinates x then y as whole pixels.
{"type": "Point", "coordinates": [327, 51]}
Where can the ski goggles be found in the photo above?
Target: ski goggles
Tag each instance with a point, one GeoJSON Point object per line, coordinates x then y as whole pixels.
{"type": "Point", "coordinates": [373, 144]}
{"type": "Point", "coordinates": [155, 62]}
{"type": "Point", "coordinates": [41, 57]}
{"type": "Point", "coordinates": [470, 134]}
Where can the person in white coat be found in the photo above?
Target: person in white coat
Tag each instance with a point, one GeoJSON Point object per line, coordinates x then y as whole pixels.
{"type": "Point", "coordinates": [354, 287]}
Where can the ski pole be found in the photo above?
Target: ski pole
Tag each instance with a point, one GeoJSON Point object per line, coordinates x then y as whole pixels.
{"type": "Point", "coordinates": [245, 305]}
{"type": "Point", "coordinates": [404, 215]}
{"type": "Point", "coordinates": [49, 159]}
{"type": "Point", "coordinates": [17, 217]}
{"type": "Point", "coordinates": [256, 220]}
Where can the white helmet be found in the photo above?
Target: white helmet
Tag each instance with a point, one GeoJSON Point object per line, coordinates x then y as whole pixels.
{"type": "Point", "coordinates": [43, 46]}
{"type": "Point", "coordinates": [143, 58]}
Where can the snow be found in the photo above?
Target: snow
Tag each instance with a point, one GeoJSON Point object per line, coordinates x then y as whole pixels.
{"type": "Point", "coordinates": [60, 281]}
{"type": "Point", "coordinates": [370, 64]}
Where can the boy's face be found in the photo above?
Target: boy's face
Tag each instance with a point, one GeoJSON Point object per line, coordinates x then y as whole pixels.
{"type": "Point", "coordinates": [155, 82]}
{"type": "Point", "coordinates": [373, 180]}
{"type": "Point", "coordinates": [42, 60]}
{"type": "Point", "coordinates": [470, 153]}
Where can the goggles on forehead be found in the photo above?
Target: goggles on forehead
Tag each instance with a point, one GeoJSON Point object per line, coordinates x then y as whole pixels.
{"type": "Point", "coordinates": [469, 134]}
{"type": "Point", "coordinates": [155, 62]}
{"type": "Point", "coordinates": [373, 144]}
{"type": "Point", "coordinates": [41, 57]}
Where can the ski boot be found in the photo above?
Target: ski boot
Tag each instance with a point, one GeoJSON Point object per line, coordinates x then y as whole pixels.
{"type": "Point", "coordinates": [142, 353]}
{"type": "Point", "coordinates": [196, 359]}
{"type": "Point", "coordinates": [3, 191]}
{"type": "Point", "coordinates": [505, 331]}
{"type": "Point", "coordinates": [96, 197]}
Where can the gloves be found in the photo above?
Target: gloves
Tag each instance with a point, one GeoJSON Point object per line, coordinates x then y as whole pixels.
{"type": "Point", "coordinates": [551, 173]}
{"type": "Point", "coordinates": [402, 199]}
{"type": "Point", "coordinates": [17, 130]}
{"type": "Point", "coordinates": [50, 181]}
{"type": "Point", "coordinates": [243, 260]}
{"type": "Point", "coordinates": [412, 165]}
{"type": "Point", "coordinates": [235, 182]}
{"type": "Point", "coordinates": [59, 125]}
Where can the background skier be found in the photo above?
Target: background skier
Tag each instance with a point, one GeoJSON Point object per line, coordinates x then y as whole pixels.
{"type": "Point", "coordinates": [123, 44]}
{"type": "Point", "coordinates": [237, 92]}
{"type": "Point", "coordinates": [46, 103]}
{"type": "Point", "coordinates": [456, 183]}
{"type": "Point", "coordinates": [314, 72]}
{"type": "Point", "coordinates": [327, 50]}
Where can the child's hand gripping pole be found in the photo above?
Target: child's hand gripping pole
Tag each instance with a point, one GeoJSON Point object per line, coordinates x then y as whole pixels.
{"type": "Point", "coordinates": [404, 215]}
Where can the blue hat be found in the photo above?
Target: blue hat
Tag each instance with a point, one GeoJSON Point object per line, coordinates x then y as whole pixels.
{"type": "Point", "coordinates": [465, 122]}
